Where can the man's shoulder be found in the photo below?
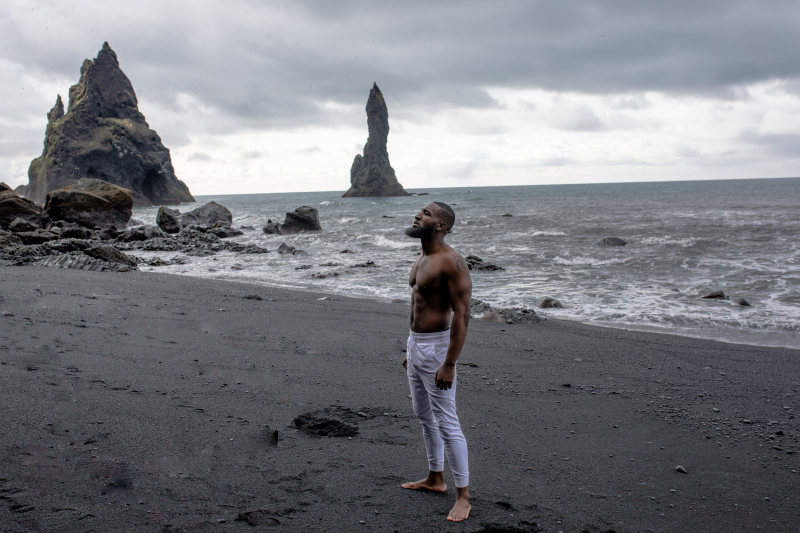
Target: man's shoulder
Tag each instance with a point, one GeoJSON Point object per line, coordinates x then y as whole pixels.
{"type": "Point", "coordinates": [456, 261]}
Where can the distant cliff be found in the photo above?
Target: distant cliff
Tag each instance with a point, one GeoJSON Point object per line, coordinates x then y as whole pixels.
{"type": "Point", "coordinates": [371, 174]}
{"type": "Point", "coordinates": [103, 135]}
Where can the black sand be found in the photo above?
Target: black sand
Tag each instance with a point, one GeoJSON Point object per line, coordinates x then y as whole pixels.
{"type": "Point", "coordinates": [145, 402]}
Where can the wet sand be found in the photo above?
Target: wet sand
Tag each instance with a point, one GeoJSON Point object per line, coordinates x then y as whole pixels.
{"type": "Point", "coordinates": [147, 402]}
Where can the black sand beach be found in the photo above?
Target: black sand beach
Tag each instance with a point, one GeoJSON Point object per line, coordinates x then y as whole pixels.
{"type": "Point", "coordinates": [147, 402]}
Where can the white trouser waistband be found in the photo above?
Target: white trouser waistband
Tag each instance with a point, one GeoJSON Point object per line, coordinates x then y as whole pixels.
{"type": "Point", "coordinates": [428, 338]}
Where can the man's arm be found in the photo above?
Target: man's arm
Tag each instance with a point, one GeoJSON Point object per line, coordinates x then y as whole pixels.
{"type": "Point", "coordinates": [459, 287]}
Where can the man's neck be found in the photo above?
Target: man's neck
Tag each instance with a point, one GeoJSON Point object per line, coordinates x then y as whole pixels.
{"type": "Point", "coordinates": [432, 246]}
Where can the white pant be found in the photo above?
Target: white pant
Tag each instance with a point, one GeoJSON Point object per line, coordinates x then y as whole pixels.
{"type": "Point", "coordinates": [436, 408]}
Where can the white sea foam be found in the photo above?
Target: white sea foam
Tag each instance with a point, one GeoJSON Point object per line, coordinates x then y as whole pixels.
{"type": "Point", "coordinates": [680, 248]}
{"type": "Point", "coordinates": [547, 233]}
{"type": "Point", "coordinates": [588, 261]}
{"type": "Point", "coordinates": [684, 242]}
{"type": "Point", "coordinates": [383, 242]}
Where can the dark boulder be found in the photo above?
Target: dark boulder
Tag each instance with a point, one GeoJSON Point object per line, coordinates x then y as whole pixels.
{"type": "Point", "coordinates": [104, 135]}
{"type": "Point", "coordinates": [511, 315]}
{"type": "Point", "coordinates": [476, 263]}
{"type": "Point", "coordinates": [110, 254]}
{"type": "Point", "coordinates": [77, 232]}
{"type": "Point", "coordinates": [36, 237]}
{"type": "Point", "coordinates": [224, 232]}
{"type": "Point", "coordinates": [550, 303]}
{"type": "Point", "coordinates": [82, 261]}
{"type": "Point", "coordinates": [140, 233]}
{"type": "Point", "coordinates": [91, 203]}
{"type": "Point", "coordinates": [716, 295]}
{"type": "Point", "coordinates": [272, 228]}
{"type": "Point", "coordinates": [14, 206]}
{"type": "Point", "coordinates": [291, 250]}
{"type": "Point", "coordinates": [4, 186]}
{"type": "Point", "coordinates": [211, 217]}
{"type": "Point", "coordinates": [742, 302]}
{"type": "Point", "coordinates": [304, 218]}
{"type": "Point", "coordinates": [20, 224]}
{"type": "Point", "coordinates": [612, 241]}
{"type": "Point", "coordinates": [190, 241]}
{"type": "Point", "coordinates": [109, 233]}
{"type": "Point", "coordinates": [169, 220]}
{"type": "Point", "coordinates": [211, 214]}
{"type": "Point", "coordinates": [371, 174]}
{"type": "Point", "coordinates": [8, 239]}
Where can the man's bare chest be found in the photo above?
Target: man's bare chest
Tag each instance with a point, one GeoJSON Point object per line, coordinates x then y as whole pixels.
{"type": "Point", "coordinates": [426, 276]}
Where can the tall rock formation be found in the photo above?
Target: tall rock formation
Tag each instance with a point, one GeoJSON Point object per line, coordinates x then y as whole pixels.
{"type": "Point", "coordinates": [371, 174]}
{"type": "Point", "coordinates": [103, 135]}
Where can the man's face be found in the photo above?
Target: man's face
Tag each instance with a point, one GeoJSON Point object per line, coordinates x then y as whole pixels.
{"type": "Point", "coordinates": [424, 222]}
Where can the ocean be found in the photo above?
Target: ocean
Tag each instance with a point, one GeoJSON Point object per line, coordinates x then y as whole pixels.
{"type": "Point", "coordinates": [685, 239]}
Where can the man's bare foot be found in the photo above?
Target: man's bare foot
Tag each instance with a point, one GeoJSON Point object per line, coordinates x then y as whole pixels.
{"type": "Point", "coordinates": [461, 509]}
{"type": "Point", "coordinates": [434, 482]}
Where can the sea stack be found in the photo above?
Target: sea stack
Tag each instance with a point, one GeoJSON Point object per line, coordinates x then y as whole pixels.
{"type": "Point", "coordinates": [103, 135]}
{"type": "Point", "coordinates": [371, 174]}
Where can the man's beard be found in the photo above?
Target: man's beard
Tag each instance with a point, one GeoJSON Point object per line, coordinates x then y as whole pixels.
{"type": "Point", "coordinates": [419, 232]}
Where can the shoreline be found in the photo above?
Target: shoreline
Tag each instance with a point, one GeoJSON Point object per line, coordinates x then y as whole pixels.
{"type": "Point", "coordinates": [169, 402]}
{"type": "Point", "coordinates": [627, 327]}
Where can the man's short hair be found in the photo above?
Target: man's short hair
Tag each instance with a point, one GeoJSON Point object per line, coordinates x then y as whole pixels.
{"type": "Point", "coordinates": [447, 215]}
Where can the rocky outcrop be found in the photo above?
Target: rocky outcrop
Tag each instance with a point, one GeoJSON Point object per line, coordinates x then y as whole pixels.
{"type": "Point", "coordinates": [103, 135]}
{"type": "Point", "coordinates": [716, 295]}
{"type": "Point", "coordinates": [169, 220]}
{"type": "Point", "coordinates": [611, 241]}
{"type": "Point", "coordinates": [211, 214]}
{"type": "Point", "coordinates": [8, 239]}
{"type": "Point", "coordinates": [550, 303]}
{"type": "Point", "coordinates": [91, 203]}
{"type": "Point", "coordinates": [371, 174]}
{"type": "Point", "coordinates": [190, 241]}
{"type": "Point", "coordinates": [215, 217]}
{"type": "Point", "coordinates": [14, 206]}
{"type": "Point", "coordinates": [110, 254]}
{"type": "Point", "coordinates": [510, 315]}
{"type": "Point", "coordinates": [476, 263]}
{"type": "Point", "coordinates": [70, 253]}
{"type": "Point", "coordinates": [304, 218]}
{"type": "Point", "coordinates": [140, 233]}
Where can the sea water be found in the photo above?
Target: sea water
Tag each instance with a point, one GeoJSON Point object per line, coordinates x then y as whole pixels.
{"type": "Point", "coordinates": [685, 239]}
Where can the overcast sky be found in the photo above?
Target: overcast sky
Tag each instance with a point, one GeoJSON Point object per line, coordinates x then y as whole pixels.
{"type": "Point", "coordinates": [269, 96]}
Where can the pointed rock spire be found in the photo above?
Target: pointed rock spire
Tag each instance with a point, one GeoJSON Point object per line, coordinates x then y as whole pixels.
{"type": "Point", "coordinates": [103, 135]}
{"type": "Point", "coordinates": [371, 173]}
{"type": "Point", "coordinates": [57, 112]}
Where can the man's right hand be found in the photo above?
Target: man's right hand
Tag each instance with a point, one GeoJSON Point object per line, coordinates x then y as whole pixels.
{"type": "Point", "coordinates": [405, 362]}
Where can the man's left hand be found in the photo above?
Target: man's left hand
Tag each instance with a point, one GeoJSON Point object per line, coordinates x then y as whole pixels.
{"type": "Point", "coordinates": [445, 376]}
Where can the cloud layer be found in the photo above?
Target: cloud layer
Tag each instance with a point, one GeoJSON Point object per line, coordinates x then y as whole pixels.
{"type": "Point", "coordinates": [512, 91]}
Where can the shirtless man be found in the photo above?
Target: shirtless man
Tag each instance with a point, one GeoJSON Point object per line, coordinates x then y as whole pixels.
{"type": "Point", "coordinates": [440, 298]}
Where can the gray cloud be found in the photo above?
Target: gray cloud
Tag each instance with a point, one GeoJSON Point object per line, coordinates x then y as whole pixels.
{"type": "Point", "coordinates": [269, 65]}
{"type": "Point", "coordinates": [777, 145]}
{"type": "Point", "coordinates": [266, 63]}
{"type": "Point", "coordinates": [252, 154]}
{"type": "Point", "coordinates": [199, 156]}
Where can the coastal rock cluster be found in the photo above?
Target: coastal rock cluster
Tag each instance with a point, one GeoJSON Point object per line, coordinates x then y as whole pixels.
{"type": "Point", "coordinates": [103, 135]}
{"type": "Point", "coordinates": [304, 218]}
{"type": "Point", "coordinates": [720, 295]}
{"type": "Point", "coordinates": [87, 209]}
{"type": "Point", "coordinates": [90, 203]}
{"type": "Point", "coordinates": [371, 174]}
{"type": "Point", "coordinates": [509, 315]}
{"type": "Point", "coordinates": [476, 263]}
{"type": "Point", "coordinates": [217, 218]}
{"type": "Point", "coordinates": [87, 226]}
